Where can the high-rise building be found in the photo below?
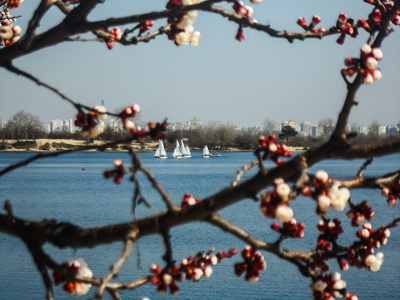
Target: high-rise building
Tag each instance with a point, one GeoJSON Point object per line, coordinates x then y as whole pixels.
{"type": "Point", "coordinates": [3, 124]}
{"type": "Point", "coordinates": [317, 131]}
{"type": "Point", "coordinates": [392, 130]}
{"type": "Point", "coordinates": [382, 130]}
{"type": "Point", "coordinates": [363, 129]}
{"type": "Point", "coordinates": [193, 123]}
{"type": "Point", "coordinates": [306, 127]}
{"type": "Point", "coordinates": [58, 125]}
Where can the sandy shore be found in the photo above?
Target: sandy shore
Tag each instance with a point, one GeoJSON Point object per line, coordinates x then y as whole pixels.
{"type": "Point", "coordinates": [65, 144]}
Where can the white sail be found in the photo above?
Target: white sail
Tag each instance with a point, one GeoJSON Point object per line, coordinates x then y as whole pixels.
{"type": "Point", "coordinates": [163, 153]}
{"type": "Point", "coordinates": [187, 150]}
{"type": "Point", "coordinates": [177, 152]}
{"type": "Point", "coordinates": [206, 152]}
{"type": "Point", "coordinates": [160, 152]}
{"type": "Point", "coordinates": [157, 154]}
{"type": "Point", "coordinates": [183, 148]}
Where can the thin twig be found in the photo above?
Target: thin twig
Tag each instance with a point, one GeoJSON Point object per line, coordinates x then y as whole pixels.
{"type": "Point", "coordinates": [295, 258]}
{"type": "Point", "coordinates": [360, 172]}
{"type": "Point", "coordinates": [243, 170]}
{"type": "Point", "coordinates": [154, 182]}
{"type": "Point", "coordinates": [114, 269]}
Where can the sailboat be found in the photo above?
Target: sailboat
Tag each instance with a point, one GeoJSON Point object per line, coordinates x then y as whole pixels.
{"type": "Point", "coordinates": [215, 154]}
{"type": "Point", "coordinates": [185, 150]}
{"type": "Point", "coordinates": [160, 152]}
{"type": "Point", "coordinates": [206, 152]}
{"type": "Point", "coordinates": [177, 151]}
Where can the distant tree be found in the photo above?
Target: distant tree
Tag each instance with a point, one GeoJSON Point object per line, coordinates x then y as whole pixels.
{"type": "Point", "coordinates": [246, 141]}
{"type": "Point", "coordinates": [354, 127]}
{"type": "Point", "coordinates": [326, 127]}
{"type": "Point", "coordinates": [224, 135]}
{"type": "Point", "coordinates": [269, 126]}
{"type": "Point", "coordinates": [373, 128]}
{"type": "Point", "coordinates": [24, 125]}
{"type": "Point", "coordinates": [287, 132]}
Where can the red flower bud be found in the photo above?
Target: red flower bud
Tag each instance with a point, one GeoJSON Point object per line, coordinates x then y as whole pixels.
{"type": "Point", "coordinates": [306, 191]}
{"type": "Point", "coordinates": [376, 15]}
{"type": "Point", "coordinates": [342, 18]}
{"type": "Point", "coordinates": [341, 38]}
{"type": "Point", "coordinates": [302, 22]}
{"type": "Point", "coordinates": [262, 141]}
{"type": "Point", "coordinates": [275, 226]}
{"type": "Point", "coordinates": [350, 61]}
{"type": "Point", "coordinates": [315, 20]}
{"type": "Point", "coordinates": [240, 35]}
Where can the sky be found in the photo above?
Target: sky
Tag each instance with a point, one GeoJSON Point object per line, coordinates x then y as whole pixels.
{"type": "Point", "coordinates": [220, 80]}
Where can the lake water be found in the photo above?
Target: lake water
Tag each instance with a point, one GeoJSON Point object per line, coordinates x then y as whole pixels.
{"type": "Point", "coordinates": [71, 188]}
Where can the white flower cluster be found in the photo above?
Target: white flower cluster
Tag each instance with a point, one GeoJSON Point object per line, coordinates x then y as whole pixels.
{"type": "Point", "coordinates": [374, 262]}
{"type": "Point", "coordinates": [96, 125]}
{"type": "Point", "coordinates": [283, 212]}
{"type": "Point", "coordinates": [370, 57]}
{"type": "Point", "coordinates": [336, 197]}
{"type": "Point", "coordinates": [335, 282]}
{"type": "Point", "coordinates": [338, 285]}
{"type": "Point", "coordinates": [188, 35]}
{"type": "Point", "coordinates": [84, 271]}
{"type": "Point", "coordinates": [9, 34]}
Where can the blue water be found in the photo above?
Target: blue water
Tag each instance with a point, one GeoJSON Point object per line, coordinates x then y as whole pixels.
{"type": "Point", "coordinates": [59, 188]}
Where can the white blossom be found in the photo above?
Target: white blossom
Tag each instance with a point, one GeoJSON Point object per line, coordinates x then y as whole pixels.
{"type": "Point", "coordinates": [319, 286]}
{"type": "Point", "coordinates": [366, 49]}
{"type": "Point", "coordinates": [339, 196]}
{"type": "Point", "coordinates": [84, 271]}
{"type": "Point", "coordinates": [167, 279]}
{"type": "Point", "coordinates": [371, 63]}
{"type": "Point", "coordinates": [100, 112]}
{"type": "Point", "coordinates": [182, 38]}
{"type": "Point", "coordinates": [6, 32]}
{"type": "Point", "coordinates": [197, 274]}
{"type": "Point", "coordinates": [208, 271]}
{"type": "Point", "coordinates": [283, 190]}
{"type": "Point", "coordinates": [323, 202]}
{"type": "Point", "coordinates": [97, 130]}
{"type": "Point", "coordinates": [16, 30]}
{"type": "Point", "coordinates": [377, 53]}
{"type": "Point", "coordinates": [368, 79]}
{"type": "Point", "coordinates": [377, 75]}
{"type": "Point", "coordinates": [195, 38]}
{"type": "Point", "coordinates": [284, 213]}
{"type": "Point", "coordinates": [322, 176]}
{"type": "Point", "coordinates": [272, 148]}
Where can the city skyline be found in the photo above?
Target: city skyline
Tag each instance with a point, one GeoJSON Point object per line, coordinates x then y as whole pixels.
{"type": "Point", "coordinates": [303, 128]}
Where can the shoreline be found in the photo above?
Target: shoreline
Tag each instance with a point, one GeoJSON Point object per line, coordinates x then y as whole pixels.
{"type": "Point", "coordinates": [54, 145]}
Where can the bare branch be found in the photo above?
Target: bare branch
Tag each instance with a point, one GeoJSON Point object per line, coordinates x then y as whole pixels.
{"type": "Point", "coordinates": [40, 260]}
{"type": "Point", "coordinates": [29, 35]}
{"type": "Point", "coordinates": [153, 181]}
{"type": "Point", "coordinates": [295, 258]}
{"type": "Point", "coordinates": [115, 268]}
{"type": "Point", "coordinates": [243, 170]}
